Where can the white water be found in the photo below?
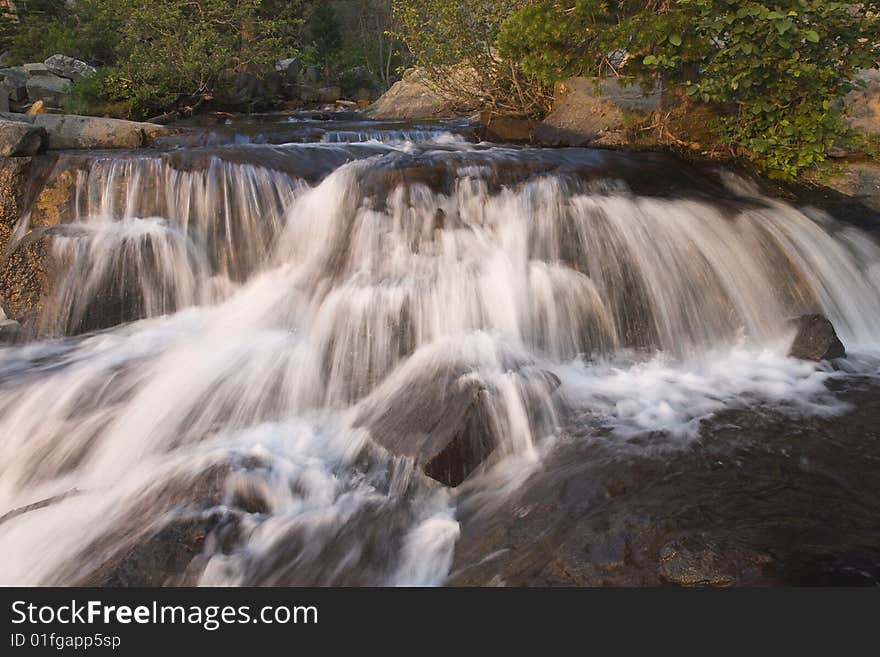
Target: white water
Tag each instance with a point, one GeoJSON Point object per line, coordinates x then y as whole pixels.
{"type": "Point", "coordinates": [276, 313]}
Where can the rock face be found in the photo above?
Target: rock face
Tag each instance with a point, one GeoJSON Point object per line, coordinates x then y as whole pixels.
{"type": "Point", "coordinates": [816, 339]}
{"type": "Point", "coordinates": [18, 138]}
{"type": "Point", "coordinates": [409, 98]}
{"type": "Point", "coordinates": [68, 67]}
{"type": "Point", "coordinates": [583, 111]}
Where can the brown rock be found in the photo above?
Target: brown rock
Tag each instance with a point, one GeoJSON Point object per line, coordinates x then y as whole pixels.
{"type": "Point", "coordinates": [816, 339]}
{"type": "Point", "coordinates": [502, 129]}
{"type": "Point", "coordinates": [585, 108]}
{"type": "Point", "coordinates": [410, 98]}
{"type": "Point", "coordinates": [20, 139]}
{"type": "Point", "coordinates": [684, 566]}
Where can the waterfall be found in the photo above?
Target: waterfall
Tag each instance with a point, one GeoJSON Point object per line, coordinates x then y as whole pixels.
{"type": "Point", "coordinates": [232, 331]}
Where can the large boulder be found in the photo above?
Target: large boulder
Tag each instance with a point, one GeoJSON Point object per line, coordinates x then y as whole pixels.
{"type": "Point", "coordinates": [816, 339]}
{"type": "Point", "coordinates": [16, 78]}
{"type": "Point", "coordinates": [68, 67]}
{"type": "Point", "coordinates": [410, 98]}
{"type": "Point", "coordinates": [18, 138]}
{"type": "Point", "coordinates": [49, 88]}
{"type": "Point", "coordinates": [585, 109]}
{"type": "Point", "coordinates": [68, 131]}
{"type": "Point", "coordinates": [441, 417]}
{"type": "Point", "coordinates": [37, 69]}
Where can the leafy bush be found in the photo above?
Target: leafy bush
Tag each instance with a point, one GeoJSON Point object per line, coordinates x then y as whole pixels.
{"type": "Point", "coordinates": [779, 68]}
{"type": "Point", "coordinates": [454, 44]}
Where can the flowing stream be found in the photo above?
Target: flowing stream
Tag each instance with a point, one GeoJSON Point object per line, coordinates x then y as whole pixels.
{"type": "Point", "coordinates": [227, 314]}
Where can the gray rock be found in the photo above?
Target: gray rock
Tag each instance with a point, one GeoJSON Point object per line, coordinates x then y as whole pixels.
{"type": "Point", "coordinates": [409, 98]}
{"type": "Point", "coordinates": [584, 110]}
{"type": "Point", "coordinates": [37, 69]}
{"type": "Point", "coordinates": [68, 67]}
{"type": "Point", "coordinates": [16, 78]}
{"type": "Point", "coordinates": [50, 88]}
{"type": "Point", "coordinates": [816, 339]}
{"type": "Point", "coordinates": [290, 68]}
{"type": "Point", "coordinates": [5, 91]}
{"type": "Point", "coordinates": [443, 421]}
{"type": "Point", "coordinates": [68, 131]}
{"type": "Point", "coordinates": [19, 139]}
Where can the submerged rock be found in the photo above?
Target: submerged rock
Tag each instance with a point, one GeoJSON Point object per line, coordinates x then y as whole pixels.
{"type": "Point", "coordinates": [704, 566]}
{"type": "Point", "coordinates": [816, 339]}
{"type": "Point", "coordinates": [443, 420]}
{"type": "Point", "coordinates": [443, 425]}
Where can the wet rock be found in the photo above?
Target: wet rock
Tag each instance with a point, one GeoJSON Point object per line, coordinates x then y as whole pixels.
{"type": "Point", "coordinates": [443, 425]}
{"type": "Point", "coordinates": [503, 129]}
{"type": "Point", "coordinates": [68, 67]}
{"type": "Point", "coordinates": [703, 566]}
{"type": "Point", "coordinates": [443, 419]}
{"type": "Point", "coordinates": [409, 98]}
{"type": "Point", "coordinates": [51, 89]}
{"type": "Point", "coordinates": [21, 139]}
{"type": "Point", "coordinates": [816, 339]}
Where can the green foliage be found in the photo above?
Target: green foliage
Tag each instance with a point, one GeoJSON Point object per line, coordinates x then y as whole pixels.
{"type": "Point", "coordinates": [454, 45]}
{"type": "Point", "coordinates": [47, 27]}
{"type": "Point", "coordinates": [325, 31]}
{"type": "Point", "coordinates": [159, 54]}
{"type": "Point", "coordinates": [786, 65]}
{"type": "Point", "coordinates": [778, 68]}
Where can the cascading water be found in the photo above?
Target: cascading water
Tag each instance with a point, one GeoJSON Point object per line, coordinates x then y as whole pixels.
{"type": "Point", "coordinates": [294, 301]}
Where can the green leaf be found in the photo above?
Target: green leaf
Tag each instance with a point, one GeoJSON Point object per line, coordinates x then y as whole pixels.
{"type": "Point", "coordinates": [675, 39]}
{"type": "Point", "coordinates": [812, 36]}
{"type": "Point", "coordinates": [650, 60]}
